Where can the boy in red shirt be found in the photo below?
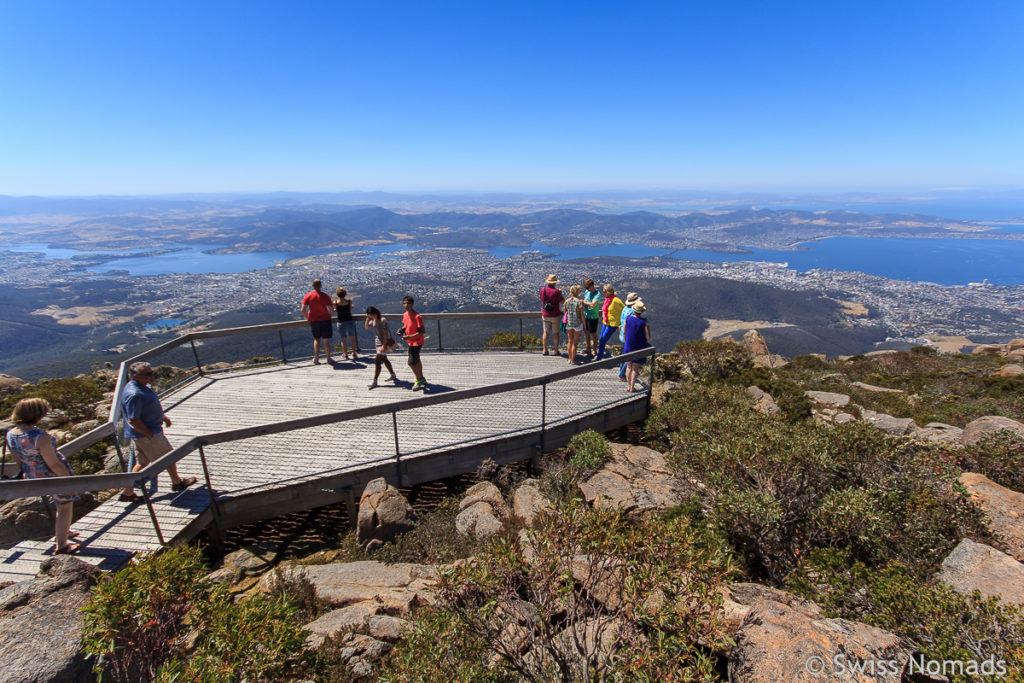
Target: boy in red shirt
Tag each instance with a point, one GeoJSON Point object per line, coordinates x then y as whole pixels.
{"type": "Point", "coordinates": [318, 307]}
{"type": "Point", "coordinates": [412, 333]}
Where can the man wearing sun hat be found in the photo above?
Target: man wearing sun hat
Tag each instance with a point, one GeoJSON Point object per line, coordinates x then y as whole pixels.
{"type": "Point", "coordinates": [550, 311]}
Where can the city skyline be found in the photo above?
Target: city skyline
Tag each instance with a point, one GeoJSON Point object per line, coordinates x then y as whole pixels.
{"type": "Point", "coordinates": [119, 99]}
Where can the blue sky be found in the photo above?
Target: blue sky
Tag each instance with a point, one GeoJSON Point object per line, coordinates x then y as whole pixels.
{"type": "Point", "coordinates": [152, 97]}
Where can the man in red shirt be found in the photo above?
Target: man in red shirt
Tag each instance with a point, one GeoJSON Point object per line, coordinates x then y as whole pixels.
{"type": "Point", "coordinates": [318, 307]}
{"type": "Point", "coordinates": [412, 333]}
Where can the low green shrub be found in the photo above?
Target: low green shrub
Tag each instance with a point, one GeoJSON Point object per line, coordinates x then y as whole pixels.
{"type": "Point", "coordinates": [778, 490]}
{"type": "Point", "coordinates": [642, 598]}
{"type": "Point", "coordinates": [160, 619]}
{"type": "Point", "coordinates": [713, 359]}
{"type": "Point", "coordinates": [509, 340]}
{"type": "Point", "coordinates": [999, 456]}
{"type": "Point", "coordinates": [434, 540]}
{"type": "Point", "coordinates": [789, 396]}
{"type": "Point", "coordinates": [588, 450]}
{"type": "Point", "coordinates": [76, 397]}
{"type": "Point", "coordinates": [942, 624]}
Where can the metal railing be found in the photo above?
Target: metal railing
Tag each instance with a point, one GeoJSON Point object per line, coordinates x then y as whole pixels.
{"type": "Point", "coordinates": [95, 482]}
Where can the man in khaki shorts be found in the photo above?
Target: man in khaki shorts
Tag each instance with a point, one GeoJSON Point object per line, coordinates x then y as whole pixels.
{"type": "Point", "coordinates": [145, 422]}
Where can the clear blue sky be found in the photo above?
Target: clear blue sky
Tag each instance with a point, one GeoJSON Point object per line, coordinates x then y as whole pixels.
{"type": "Point", "coordinates": [153, 97]}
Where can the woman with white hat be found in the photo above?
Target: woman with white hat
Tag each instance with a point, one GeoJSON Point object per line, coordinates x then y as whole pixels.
{"type": "Point", "coordinates": [637, 336]}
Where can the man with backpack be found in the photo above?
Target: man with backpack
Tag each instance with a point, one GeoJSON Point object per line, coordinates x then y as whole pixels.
{"type": "Point", "coordinates": [550, 311]}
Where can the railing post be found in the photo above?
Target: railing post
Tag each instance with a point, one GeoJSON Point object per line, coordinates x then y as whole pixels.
{"type": "Point", "coordinates": [543, 422]}
{"type": "Point", "coordinates": [439, 347]}
{"type": "Point", "coordinates": [521, 345]}
{"type": "Point", "coordinates": [195, 353]}
{"type": "Point", "coordinates": [120, 453]}
{"type": "Point", "coordinates": [284, 358]}
{"type": "Point", "coordinates": [650, 381]}
{"type": "Point", "coordinates": [398, 452]}
{"type": "Point", "coordinates": [218, 535]}
{"type": "Point", "coordinates": [152, 515]}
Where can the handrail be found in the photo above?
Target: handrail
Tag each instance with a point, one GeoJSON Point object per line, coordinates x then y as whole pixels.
{"type": "Point", "coordinates": [76, 484]}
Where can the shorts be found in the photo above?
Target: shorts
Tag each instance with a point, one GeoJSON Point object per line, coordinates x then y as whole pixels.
{"type": "Point", "coordinates": [592, 324]}
{"type": "Point", "coordinates": [321, 329]}
{"type": "Point", "coordinates": [346, 328]}
{"type": "Point", "coordinates": [149, 449]}
{"type": "Point", "coordinates": [550, 324]}
{"type": "Point", "coordinates": [414, 354]}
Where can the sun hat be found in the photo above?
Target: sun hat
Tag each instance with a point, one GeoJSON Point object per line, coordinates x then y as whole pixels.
{"type": "Point", "coordinates": [639, 307]}
{"type": "Point", "coordinates": [551, 279]}
{"type": "Point", "coordinates": [632, 298]}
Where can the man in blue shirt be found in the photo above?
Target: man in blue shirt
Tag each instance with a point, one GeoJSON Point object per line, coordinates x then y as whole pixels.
{"type": "Point", "coordinates": [144, 424]}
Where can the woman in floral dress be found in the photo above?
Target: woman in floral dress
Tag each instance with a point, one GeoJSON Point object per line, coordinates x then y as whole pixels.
{"type": "Point", "coordinates": [37, 453]}
{"type": "Point", "coordinates": [574, 320]}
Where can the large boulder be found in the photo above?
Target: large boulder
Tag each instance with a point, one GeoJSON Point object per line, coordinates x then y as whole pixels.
{"type": "Point", "coordinates": [795, 642]}
{"type": "Point", "coordinates": [383, 513]}
{"type": "Point", "coordinates": [24, 518]}
{"type": "Point", "coordinates": [763, 401]}
{"type": "Point", "coordinates": [482, 511]}
{"type": "Point", "coordinates": [528, 502]}
{"type": "Point", "coordinates": [897, 426]}
{"type": "Point", "coordinates": [636, 480]}
{"type": "Point", "coordinates": [41, 624]}
{"type": "Point", "coordinates": [978, 429]}
{"type": "Point", "coordinates": [9, 384]}
{"type": "Point", "coordinates": [397, 588]}
{"type": "Point", "coordinates": [977, 567]}
{"type": "Point", "coordinates": [1009, 370]}
{"type": "Point", "coordinates": [939, 432]}
{"type": "Point", "coordinates": [988, 349]}
{"type": "Point", "coordinates": [828, 399]}
{"type": "Point", "coordinates": [1004, 507]}
{"type": "Point", "coordinates": [759, 352]}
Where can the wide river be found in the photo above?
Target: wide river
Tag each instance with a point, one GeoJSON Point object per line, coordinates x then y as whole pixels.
{"type": "Point", "coordinates": [943, 261]}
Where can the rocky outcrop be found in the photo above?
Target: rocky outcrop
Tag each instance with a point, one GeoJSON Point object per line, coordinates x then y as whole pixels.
{"type": "Point", "coordinates": [366, 616]}
{"type": "Point", "coordinates": [362, 654]}
{"type": "Point", "coordinates": [482, 511]}
{"type": "Point", "coordinates": [759, 352]}
{"type": "Point", "coordinates": [24, 518]}
{"type": "Point", "coordinates": [976, 430]}
{"type": "Point", "coordinates": [636, 480]}
{"type": "Point", "coordinates": [528, 502]}
{"type": "Point", "coordinates": [763, 401]}
{"type": "Point", "coordinates": [383, 513]}
{"type": "Point", "coordinates": [9, 384]}
{"type": "Point", "coordinates": [1004, 508]}
{"type": "Point", "coordinates": [977, 567]}
{"type": "Point", "coordinates": [875, 389]}
{"type": "Point", "coordinates": [787, 641]}
{"type": "Point", "coordinates": [397, 588]}
{"type": "Point", "coordinates": [41, 625]}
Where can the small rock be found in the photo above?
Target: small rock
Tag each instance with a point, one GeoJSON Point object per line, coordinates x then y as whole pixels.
{"type": "Point", "coordinates": [843, 418]}
{"type": "Point", "coordinates": [882, 352]}
{"type": "Point", "coordinates": [486, 492]}
{"type": "Point", "coordinates": [976, 429]}
{"type": "Point", "coordinates": [875, 389]}
{"type": "Point", "coordinates": [223, 575]}
{"type": "Point", "coordinates": [987, 349]}
{"type": "Point", "coordinates": [252, 559]}
{"type": "Point", "coordinates": [354, 616]}
{"type": "Point", "coordinates": [478, 520]}
{"type": "Point", "coordinates": [975, 566]}
{"type": "Point", "coordinates": [387, 628]}
{"type": "Point", "coordinates": [398, 587]}
{"type": "Point", "coordinates": [763, 401]}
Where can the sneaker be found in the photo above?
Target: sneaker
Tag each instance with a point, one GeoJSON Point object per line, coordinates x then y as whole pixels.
{"type": "Point", "coordinates": [354, 357]}
{"type": "Point", "coordinates": [419, 385]}
{"type": "Point", "coordinates": [373, 386]}
{"type": "Point", "coordinates": [392, 378]}
{"type": "Point", "coordinates": [316, 361]}
{"type": "Point", "coordinates": [345, 356]}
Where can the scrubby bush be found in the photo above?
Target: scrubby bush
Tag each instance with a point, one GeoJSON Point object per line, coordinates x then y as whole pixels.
{"type": "Point", "coordinates": [160, 619]}
{"type": "Point", "coordinates": [943, 624]}
{"type": "Point", "coordinates": [511, 340]}
{"type": "Point", "coordinates": [713, 359]}
{"type": "Point", "coordinates": [788, 395]}
{"type": "Point", "coordinates": [434, 539]}
{"type": "Point", "coordinates": [588, 450]}
{"type": "Point", "coordinates": [999, 456]}
{"type": "Point", "coordinates": [73, 396]}
{"type": "Point", "coordinates": [779, 490]}
{"type": "Point", "coordinates": [585, 595]}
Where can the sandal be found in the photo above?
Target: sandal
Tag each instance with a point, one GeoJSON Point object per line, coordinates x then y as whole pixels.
{"type": "Point", "coordinates": [69, 549]}
{"type": "Point", "coordinates": [183, 484]}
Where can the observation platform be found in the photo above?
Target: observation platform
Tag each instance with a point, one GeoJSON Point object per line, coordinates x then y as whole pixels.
{"type": "Point", "coordinates": [266, 441]}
